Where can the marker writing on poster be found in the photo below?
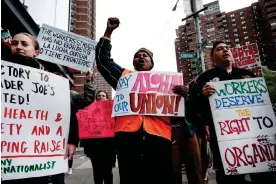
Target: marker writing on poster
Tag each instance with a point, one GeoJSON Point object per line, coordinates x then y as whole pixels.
{"type": "Point", "coordinates": [156, 83]}
{"type": "Point", "coordinates": [13, 86]}
{"type": "Point", "coordinates": [7, 167]}
{"type": "Point", "coordinates": [150, 102]}
{"type": "Point", "coordinates": [123, 82]}
{"type": "Point", "coordinates": [121, 105]}
{"type": "Point", "coordinates": [250, 154]}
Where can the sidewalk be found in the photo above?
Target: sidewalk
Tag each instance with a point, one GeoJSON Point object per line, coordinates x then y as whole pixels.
{"type": "Point", "coordinates": [83, 173]}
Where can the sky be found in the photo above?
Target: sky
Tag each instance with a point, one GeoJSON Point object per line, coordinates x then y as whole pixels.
{"type": "Point", "coordinates": [150, 24]}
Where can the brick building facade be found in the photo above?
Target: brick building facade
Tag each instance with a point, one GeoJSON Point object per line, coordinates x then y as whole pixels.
{"type": "Point", "coordinates": [83, 22]}
{"type": "Point", "coordinates": [253, 24]}
{"type": "Point", "coordinates": [265, 16]}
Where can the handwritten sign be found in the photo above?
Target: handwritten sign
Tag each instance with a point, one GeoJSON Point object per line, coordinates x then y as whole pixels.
{"type": "Point", "coordinates": [247, 56]}
{"type": "Point", "coordinates": [148, 93]}
{"type": "Point", "coordinates": [65, 48]}
{"type": "Point", "coordinates": [95, 121]}
{"type": "Point", "coordinates": [245, 125]}
{"type": "Point", "coordinates": [34, 127]}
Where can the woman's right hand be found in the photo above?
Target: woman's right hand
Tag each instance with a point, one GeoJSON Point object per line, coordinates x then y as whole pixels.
{"type": "Point", "coordinates": [208, 91]}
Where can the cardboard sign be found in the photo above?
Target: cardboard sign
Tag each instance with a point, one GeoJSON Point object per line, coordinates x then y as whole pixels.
{"type": "Point", "coordinates": [148, 93]}
{"type": "Point", "coordinates": [95, 121]}
{"type": "Point", "coordinates": [245, 125]}
{"type": "Point", "coordinates": [247, 56]}
{"type": "Point", "coordinates": [65, 48]}
{"type": "Point", "coordinates": [34, 125]}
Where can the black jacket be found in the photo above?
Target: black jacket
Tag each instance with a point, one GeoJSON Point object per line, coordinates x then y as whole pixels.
{"type": "Point", "coordinates": [201, 103]}
{"type": "Point", "coordinates": [110, 70]}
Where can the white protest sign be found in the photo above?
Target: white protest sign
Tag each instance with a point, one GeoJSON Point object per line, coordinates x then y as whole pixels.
{"type": "Point", "coordinates": [65, 48]}
{"type": "Point", "coordinates": [245, 125]}
{"type": "Point", "coordinates": [148, 93]}
{"type": "Point", "coordinates": [35, 121]}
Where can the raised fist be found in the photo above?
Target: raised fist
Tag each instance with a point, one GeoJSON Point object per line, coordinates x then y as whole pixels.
{"type": "Point", "coordinates": [112, 24]}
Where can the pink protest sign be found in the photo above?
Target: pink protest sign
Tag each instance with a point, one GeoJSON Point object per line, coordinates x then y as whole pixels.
{"type": "Point", "coordinates": [95, 121]}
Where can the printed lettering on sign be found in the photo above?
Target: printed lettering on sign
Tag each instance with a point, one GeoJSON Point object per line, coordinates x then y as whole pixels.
{"type": "Point", "coordinates": [34, 130]}
{"type": "Point", "coordinates": [65, 48]}
{"type": "Point", "coordinates": [148, 93]}
{"type": "Point", "coordinates": [245, 125]}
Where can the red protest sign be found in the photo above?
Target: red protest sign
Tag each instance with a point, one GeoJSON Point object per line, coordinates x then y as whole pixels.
{"type": "Point", "coordinates": [246, 55]}
{"type": "Point", "coordinates": [95, 121]}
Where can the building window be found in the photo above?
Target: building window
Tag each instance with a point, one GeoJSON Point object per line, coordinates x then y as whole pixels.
{"type": "Point", "coordinates": [237, 40]}
{"type": "Point", "coordinates": [254, 7]}
{"type": "Point", "coordinates": [233, 20]}
{"type": "Point", "coordinates": [243, 22]}
{"type": "Point", "coordinates": [247, 42]}
{"type": "Point", "coordinates": [246, 37]}
{"type": "Point", "coordinates": [244, 27]}
{"type": "Point", "coordinates": [241, 12]}
{"type": "Point", "coordinates": [245, 33]}
{"type": "Point", "coordinates": [233, 15]}
{"type": "Point", "coordinates": [234, 25]}
{"type": "Point", "coordinates": [211, 29]}
{"type": "Point", "coordinates": [235, 30]}
{"type": "Point", "coordinates": [273, 24]}
{"type": "Point", "coordinates": [236, 35]}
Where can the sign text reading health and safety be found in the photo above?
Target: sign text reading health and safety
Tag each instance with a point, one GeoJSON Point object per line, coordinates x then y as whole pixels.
{"type": "Point", "coordinates": [245, 125]}
{"type": "Point", "coordinates": [34, 127]}
{"type": "Point", "coordinates": [148, 93]}
{"type": "Point", "coordinates": [64, 48]}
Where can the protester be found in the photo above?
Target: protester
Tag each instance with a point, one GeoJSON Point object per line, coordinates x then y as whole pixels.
{"type": "Point", "coordinates": [223, 70]}
{"type": "Point", "coordinates": [101, 152]}
{"type": "Point", "coordinates": [143, 143]}
{"type": "Point", "coordinates": [25, 48]}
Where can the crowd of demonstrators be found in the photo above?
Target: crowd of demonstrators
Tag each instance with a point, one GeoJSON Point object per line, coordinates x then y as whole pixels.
{"type": "Point", "coordinates": [143, 143]}
{"type": "Point", "coordinates": [101, 152]}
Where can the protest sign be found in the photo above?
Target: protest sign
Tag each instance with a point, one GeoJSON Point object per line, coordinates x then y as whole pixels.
{"type": "Point", "coordinates": [35, 120]}
{"type": "Point", "coordinates": [65, 48]}
{"type": "Point", "coordinates": [247, 56]}
{"type": "Point", "coordinates": [95, 121]}
{"type": "Point", "coordinates": [245, 125]}
{"type": "Point", "coordinates": [148, 93]}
